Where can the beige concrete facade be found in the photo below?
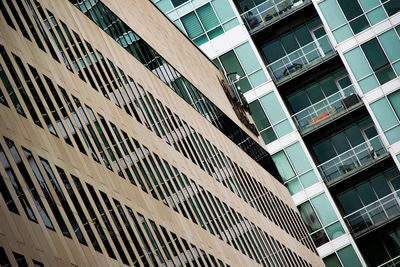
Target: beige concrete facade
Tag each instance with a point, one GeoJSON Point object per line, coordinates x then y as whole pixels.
{"type": "Point", "coordinates": [52, 248]}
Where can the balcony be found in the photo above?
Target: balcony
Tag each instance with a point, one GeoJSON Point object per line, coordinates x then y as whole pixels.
{"type": "Point", "coordinates": [391, 263]}
{"type": "Point", "coordinates": [374, 214]}
{"type": "Point", "coordinates": [326, 110]}
{"type": "Point", "coordinates": [353, 160]}
{"type": "Point", "coordinates": [269, 12]}
{"type": "Point", "coordinates": [302, 59]}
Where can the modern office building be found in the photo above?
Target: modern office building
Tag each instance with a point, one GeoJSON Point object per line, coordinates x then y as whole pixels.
{"type": "Point", "coordinates": [122, 144]}
{"type": "Point", "coordinates": [321, 79]}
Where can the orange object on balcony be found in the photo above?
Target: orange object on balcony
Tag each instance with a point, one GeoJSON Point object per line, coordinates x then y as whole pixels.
{"type": "Point", "coordinates": [323, 115]}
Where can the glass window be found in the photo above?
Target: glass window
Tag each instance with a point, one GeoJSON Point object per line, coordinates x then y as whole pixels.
{"type": "Point", "coordinates": [392, 7]}
{"type": "Point", "coordinates": [374, 54]}
{"type": "Point", "coordinates": [384, 113]}
{"type": "Point", "coordinates": [357, 62]}
{"type": "Point", "coordinates": [349, 257]}
{"type": "Point", "coordinates": [324, 209]}
{"type": "Point", "coordinates": [351, 10]}
{"type": "Point", "coordinates": [349, 201]}
{"type": "Point", "coordinates": [329, 86]}
{"type": "Point", "coordinates": [324, 151]}
{"type": "Point", "coordinates": [272, 107]}
{"type": "Point", "coordinates": [283, 165]}
{"type": "Point", "coordinates": [299, 101]}
{"type": "Point", "coordinates": [231, 63]}
{"type": "Point", "coordinates": [207, 17]}
{"type": "Point", "coordinates": [354, 135]}
{"type": "Point", "coordinates": [223, 9]}
{"type": "Point", "coordinates": [366, 193]}
{"type": "Point", "coordinates": [335, 230]}
{"type": "Point", "coordinates": [394, 100]}
{"type": "Point", "coordinates": [247, 57]}
{"type": "Point", "coordinates": [298, 158]}
{"type": "Point", "coordinates": [303, 35]}
{"type": "Point", "coordinates": [178, 2]}
{"type": "Point", "coordinates": [273, 51]}
{"type": "Point", "coordinates": [380, 186]}
{"type": "Point", "coordinates": [390, 43]}
{"type": "Point", "coordinates": [332, 261]}
{"type": "Point", "coordinates": [332, 13]}
{"type": "Point", "coordinates": [314, 93]}
{"type": "Point", "coordinates": [289, 43]}
{"type": "Point", "coordinates": [309, 217]}
{"type": "Point", "coordinates": [258, 115]}
{"type": "Point", "coordinates": [192, 25]}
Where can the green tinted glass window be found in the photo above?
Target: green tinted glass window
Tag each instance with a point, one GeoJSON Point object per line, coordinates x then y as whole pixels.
{"type": "Point", "coordinates": [231, 63]}
{"type": "Point", "coordinates": [283, 165]}
{"type": "Point", "coordinates": [298, 158]}
{"type": "Point", "coordinates": [207, 17]}
{"type": "Point", "coordinates": [258, 115]}
{"type": "Point", "coordinates": [374, 54]}
{"type": "Point", "coordinates": [192, 25]}
{"type": "Point", "coordinates": [309, 217]}
{"type": "Point", "coordinates": [350, 8]}
{"type": "Point", "coordinates": [324, 209]}
{"type": "Point", "coordinates": [349, 257]}
{"type": "Point", "coordinates": [332, 261]}
{"type": "Point", "coordinates": [178, 2]}
{"type": "Point", "coordinates": [394, 99]}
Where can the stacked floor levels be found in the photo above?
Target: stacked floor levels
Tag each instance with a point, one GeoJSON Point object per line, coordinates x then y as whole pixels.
{"type": "Point", "coordinates": [119, 147]}
{"type": "Point", "coordinates": [322, 81]}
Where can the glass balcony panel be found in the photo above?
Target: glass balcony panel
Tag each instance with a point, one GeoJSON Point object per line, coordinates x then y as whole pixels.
{"type": "Point", "coordinates": [352, 159]}
{"type": "Point", "coordinates": [374, 213]}
{"type": "Point", "coordinates": [331, 105]}
{"type": "Point", "coordinates": [265, 12]}
{"type": "Point", "coordinates": [300, 58]}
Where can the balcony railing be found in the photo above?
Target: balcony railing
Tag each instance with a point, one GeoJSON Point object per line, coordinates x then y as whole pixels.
{"type": "Point", "coordinates": [326, 109]}
{"type": "Point", "coordinates": [268, 11]}
{"type": "Point", "coordinates": [375, 213]}
{"type": "Point", "coordinates": [352, 160]}
{"type": "Point", "coordinates": [391, 263]}
{"type": "Point", "coordinates": [292, 64]}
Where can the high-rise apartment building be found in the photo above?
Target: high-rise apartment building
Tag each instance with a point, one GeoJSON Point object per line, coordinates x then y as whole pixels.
{"type": "Point", "coordinates": [122, 144]}
{"type": "Point", "coordinates": [322, 81]}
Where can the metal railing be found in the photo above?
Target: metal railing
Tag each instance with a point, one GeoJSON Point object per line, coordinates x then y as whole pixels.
{"type": "Point", "coordinates": [290, 64]}
{"type": "Point", "coordinates": [351, 160]}
{"type": "Point", "coordinates": [374, 213]}
{"type": "Point", "coordinates": [391, 263]}
{"type": "Point", "coordinates": [326, 108]}
{"type": "Point", "coordinates": [268, 11]}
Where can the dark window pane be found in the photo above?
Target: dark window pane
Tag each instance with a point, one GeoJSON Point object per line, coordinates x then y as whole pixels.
{"type": "Point", "coordinates": [314, 93]}
{"type": "Point", "coordinates": [268, 135]}
{"type": "Point", "coordinates": [351, 8]}
{"type": "Point", "coordinates": [386, 74]}
{"type": "Point", "coordinates": [332, 261]}
{"type": "Point", "coordinates": [231, 63]}
{"type": "Point", "coordinates": [178, 2]}
{"type": "Point", "coordinates": [299, 101]}
{"type": "Point", "coordinates": [289, 43]}
{"type": "Point", "coordinates": [340, 142]}
{"type": "Point", "coordinates": [309, 217]}
{"type": "Point", "coordinates": [324, 151]}
{"type": "Point", "coordinates": [394, 99]}
{"type": "Point", "coordinates": [273, 51]}
{"type": "Point", "coordinates": [303, 35]}
{"type": "Point", "coordinates": [380, 186]}
{"type": "Point", "coordinates": [366, 193]}
{"type": "Point", "coordinates": [359, 24]}
{"type": "Point", "coordinates": [374, 54]}
{"type": "Point", "coordinates": [258, 115]}
{"type": "Point", "coordinates": [392, 7]}
{"type": "Point", "coordinates": [349, 201]}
